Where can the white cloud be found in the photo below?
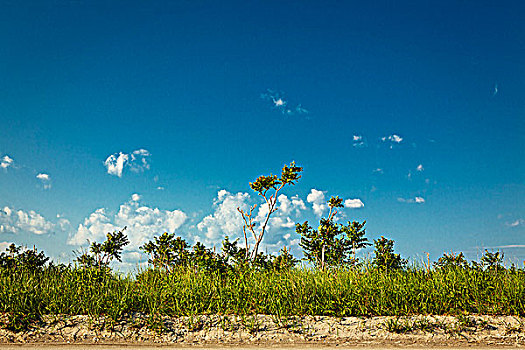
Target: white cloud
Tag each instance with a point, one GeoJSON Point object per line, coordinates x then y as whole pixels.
{"type": "Point", "coordinates": [142, 222]}
{"type": "Point", "coordinates": [279, 102]}
{"type": "Point", "coordinates": [115, 164]}
{"type": "Point", "coordinates": [135, 197]}
{"type": "Point", "coordinates": [136, 161]}
{"type": "Point", "coordinates": [516, 223]}
{"type": "Point", "coordinates": [392, 139]}
{"type": "Point", "coordinates": [395, 138]}
{"type": "Point", "coordinates": [283, 217]}
{"type": "Point", "coordinates": [17, 221]}
{"type": "Point", "coordinates": [317, 198]}
{"type": "Point", "coordinates": [420, 200]}
{"type": "Point", "coordinates": [3, 246]}
{"type": "Point", "coordinates": [416, 199]}
{"type": "Point", "coordinates": [225, 220]}
{"type": "Point", "coordinates": [6, 162]}
{"type": "Point", "coordinates": [354, 203]}
{"type": "Point", "coordinates": [290, 207]}
{"type": "Point", "coordinates": [507, 246]}
{"type": "Point", "coordinates": [358, 141]}
{"type": "Point", "coordinates": [420, 167]}
{"type": "Point", "coordinates": [139, 160]}
{"type": "Point", "coordinates": [45, 179]}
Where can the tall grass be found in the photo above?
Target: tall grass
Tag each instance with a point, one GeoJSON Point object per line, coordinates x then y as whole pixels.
{"type": "Point", "coordinates": [342, 292]}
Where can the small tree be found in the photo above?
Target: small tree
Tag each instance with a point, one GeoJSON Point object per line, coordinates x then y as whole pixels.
{"type": "Point", "coordinates": [492, 261]}
{"type": "Point", "coordinates": [355, 233]}
{"type": "Point", "coordinates": [205, 258]}
{"type": "Point", "coordinates": [18, 256]}
{"type": "Point", "coordinates": [264, 185]}
{"type": "Point", "coordinates": [233, 254]}
{"type": "Point", "coordinates": [385, 258]}
{"type": "Point", "coordinates": [236, 256]}
{"type": "Point", "coordinates": [284, 261]}
{"type": "Point", "coordinates": [331, 243]}
{"type": "Point", "coordinates": [166, 251]}
{"type": "Point", "coordinates": [451, 260]}
{"type": "Point", "coordinates": [103, 253]}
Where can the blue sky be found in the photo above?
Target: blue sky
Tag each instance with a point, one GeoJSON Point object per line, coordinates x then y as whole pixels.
{"type": "Point", "coordinates": [157, 115]}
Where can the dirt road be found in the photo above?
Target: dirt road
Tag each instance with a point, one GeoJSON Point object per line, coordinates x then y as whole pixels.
{"type": "Point", "coordinates": [138, 347]}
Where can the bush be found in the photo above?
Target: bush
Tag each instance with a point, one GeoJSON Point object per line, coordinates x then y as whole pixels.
{"type": "Point", "coordinates": [332, 244]}
{"type": "Point", "coordinates": [384, 256]}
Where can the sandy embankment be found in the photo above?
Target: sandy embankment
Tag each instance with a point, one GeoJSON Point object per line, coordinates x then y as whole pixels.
{"type": "Point", "coordinates": [294, 332]}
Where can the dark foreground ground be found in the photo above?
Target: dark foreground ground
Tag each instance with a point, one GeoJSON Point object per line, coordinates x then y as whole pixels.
{"type": "Point", "coordinates": [322, 347]}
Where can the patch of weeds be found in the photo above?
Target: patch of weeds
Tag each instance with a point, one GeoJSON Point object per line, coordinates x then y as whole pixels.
{"type": "Point", "coordinates": [155, 323]}
{"type": "Point", "coordinates": [397, 325]}
{"type": "Point", "coordinates": [194, 324]}
{"type": "Point", "coordinates": [19, 321]}
{"type": "Point", "coordinates": [442, 324]}
{"type": "Point", "coordinates": [465, 323]}
{"type": "Point", "coordinates": [226, 324]}
{"type": "Point", "coordinates": [426, 325]}
{"type": "Point", "coordinates": [252, 324]}
{"type": "Point", "coordinates": [110, 324]}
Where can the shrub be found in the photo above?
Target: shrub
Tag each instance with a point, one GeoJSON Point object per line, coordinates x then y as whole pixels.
{"type": "Point", "coordinates": [17, 256]}
{"type": "Point", "coordinates": [103, 253]}
{"type": "Point", "coordinates": [332, 243]}
{"type": "Point", "coordinates": [384, 256]}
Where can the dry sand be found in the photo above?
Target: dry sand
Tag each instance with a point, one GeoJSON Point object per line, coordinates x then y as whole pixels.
{"type": "Point", "coordinates": [213, 331]}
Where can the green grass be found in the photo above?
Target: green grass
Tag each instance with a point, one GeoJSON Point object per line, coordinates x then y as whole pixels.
{"type": "Point", "coordinates": [25, 295]}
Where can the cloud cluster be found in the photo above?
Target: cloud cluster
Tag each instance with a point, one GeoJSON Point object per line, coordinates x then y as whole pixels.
{"type": "Point", "coordinates": [18, 221]}
{"type": "Point", "coordinates": [6, 162]}
{"type": "Point", "coordinates": [136, 161]}
{"type": "Point", "coordinates": [279, 102]}
{"type": "Point", "coordinates": [354, 203]}
{"type": "Point", "coordinates": [392, 140]}
{"type": "Point", "coordinates": [45, 179]}
{"type": "Point", "coordinates": [227, 221]}
{"type": "Point", "coordinates": [288, 209]}
{"type": "Point", "coordinates": [358, 141]}
{"type": "Point", "coordinates": [317, 198]}
{"type": "Point", "coordinates": [142, 222]}
{"type": "Point", "coordinates": [416, 199]}
{"type": "Point", "coordinates": [319, 203]}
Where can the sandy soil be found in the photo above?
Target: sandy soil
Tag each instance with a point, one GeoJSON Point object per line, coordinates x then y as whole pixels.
{"type": "Point", "coordinates": [139, 347]}
{"type": "Point", "coordinates": [137, 331]}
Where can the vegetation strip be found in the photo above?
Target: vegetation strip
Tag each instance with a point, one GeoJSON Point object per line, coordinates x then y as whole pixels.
{"type": "Point", "coordinates": [245, 282]}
